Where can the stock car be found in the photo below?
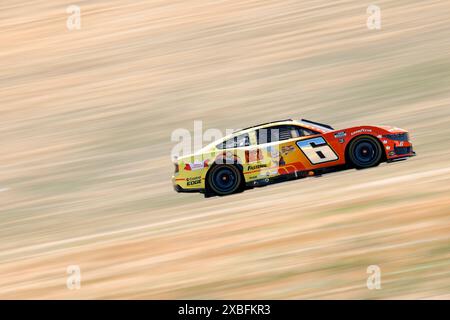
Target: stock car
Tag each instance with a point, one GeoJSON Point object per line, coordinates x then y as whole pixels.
{"type": "Point", "coordinates": [286, 149]}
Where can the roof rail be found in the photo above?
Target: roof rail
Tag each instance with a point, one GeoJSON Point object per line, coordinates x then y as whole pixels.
{"type": "Point", "coordinates": [263, 124]}
{"type": "Point", "coordinates": [319, 124]}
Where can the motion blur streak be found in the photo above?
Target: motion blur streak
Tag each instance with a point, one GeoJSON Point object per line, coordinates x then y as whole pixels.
{"type": "Point", "coordinates": [86, 120]}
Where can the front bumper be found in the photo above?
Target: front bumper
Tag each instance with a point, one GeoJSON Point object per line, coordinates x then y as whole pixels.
{"type": "Point", "coordinates": [399, 157]}
{"type": "Point", "coordinates": [398, 146]}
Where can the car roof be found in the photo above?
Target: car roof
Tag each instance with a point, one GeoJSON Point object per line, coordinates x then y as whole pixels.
{"type": "Point", "coordinates": [303, 122]}
{"type": "Point", "coordinates": [315, 126]}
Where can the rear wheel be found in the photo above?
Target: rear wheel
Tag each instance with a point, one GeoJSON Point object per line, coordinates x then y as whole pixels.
{"type": "Point", "coordinates": [364, 152]}
{"type": "Point", "coordinates": [224, 179]}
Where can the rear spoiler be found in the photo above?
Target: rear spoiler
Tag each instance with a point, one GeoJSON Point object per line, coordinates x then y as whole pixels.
{"type": "Point", "coordinates": [319, 124]}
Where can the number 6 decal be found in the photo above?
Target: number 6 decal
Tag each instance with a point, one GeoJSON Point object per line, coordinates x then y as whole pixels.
{"type": "Point", "coordinates": [317, 150]}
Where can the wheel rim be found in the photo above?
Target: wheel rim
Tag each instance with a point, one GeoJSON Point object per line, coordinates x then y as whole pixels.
{"type": "Point", "coordinates": [224, 179]}
{"type": "Point", "coordinates": [365, 152]}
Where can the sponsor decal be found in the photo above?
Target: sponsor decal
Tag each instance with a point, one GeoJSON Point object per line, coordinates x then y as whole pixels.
{"type": "Point", "coordinates": [274, 152]}
{"type": "Point", "coordinates": [379, 136]}
{"type": "Point", "coordinates": [287, 149]}
{"type": "Point", "coordinates": [341, 140]}
{"type": "Point", "coordinates": [194, 180]}
{"type": "Point", "coordinates": [360, 131]}
{"type": "Point", "coordinates": [257, 166]}
{"type": "Point", "coordinates": [388, 148]}
{"type": "Point", "coordinates": [385, 141]}
{"type": "Point", "coordinates": [340, 134]}
{"type": "Point", "coordinates": [274, 155]}
{"type": "Point", "coordinates": [277, 159]}
{"type": "Point", "coordinates": [196, 165]}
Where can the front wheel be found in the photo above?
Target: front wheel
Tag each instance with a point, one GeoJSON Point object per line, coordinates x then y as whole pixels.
{"type": "Point", "coordinates": [224, 179]}
{"type": "Point", "coordinates": [364, 152]}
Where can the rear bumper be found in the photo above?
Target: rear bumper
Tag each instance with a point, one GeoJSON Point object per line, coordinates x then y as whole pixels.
{"type": "Point", "coordinates": [179, 189]}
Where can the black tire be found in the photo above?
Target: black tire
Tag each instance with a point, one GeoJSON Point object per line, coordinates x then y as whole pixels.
{"type": "Point", "coordinates": [224, 179]}
{"type": "Point", "coordinates": [364, 152]}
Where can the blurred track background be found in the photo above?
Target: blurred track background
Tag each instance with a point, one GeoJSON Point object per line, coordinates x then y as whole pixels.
{"type": "Point", "coordinates": [86, 120]}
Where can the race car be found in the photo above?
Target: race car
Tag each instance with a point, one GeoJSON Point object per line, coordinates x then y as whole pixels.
{"type": "Point", "coordinates": [283, 150]}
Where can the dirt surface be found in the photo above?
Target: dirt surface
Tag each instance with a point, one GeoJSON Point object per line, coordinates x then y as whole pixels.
{"type": "Point", "coordinates": [86, 123]}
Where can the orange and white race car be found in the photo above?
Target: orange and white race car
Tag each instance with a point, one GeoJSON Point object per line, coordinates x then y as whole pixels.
{"type": "Point", "coordinates": [286, 149]}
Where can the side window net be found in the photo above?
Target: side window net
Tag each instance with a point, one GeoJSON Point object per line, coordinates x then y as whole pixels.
{"type": "Point", "coordinates": [274, 134]}
{"type": "Point", "coordinates": [240, 141]}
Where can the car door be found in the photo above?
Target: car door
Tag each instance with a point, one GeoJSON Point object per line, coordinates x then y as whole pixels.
{"type": "Point", "coordinates": [294, 148]}
{"type": "Point", "coordinates": [315, 151]}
